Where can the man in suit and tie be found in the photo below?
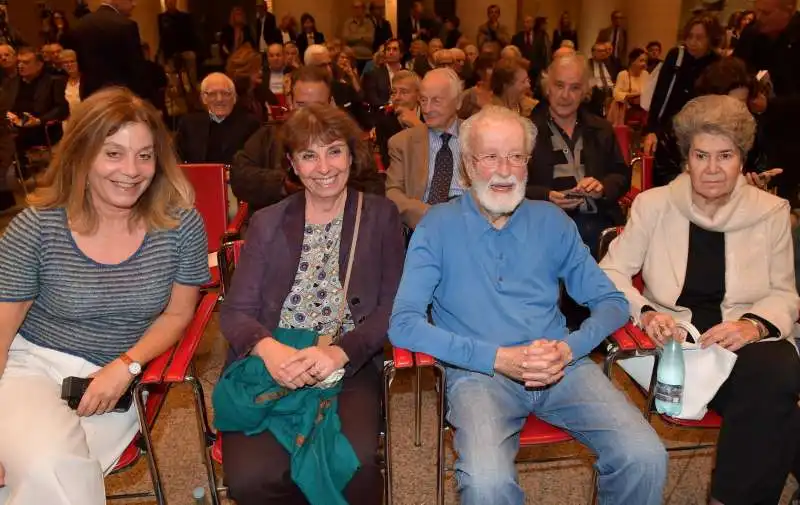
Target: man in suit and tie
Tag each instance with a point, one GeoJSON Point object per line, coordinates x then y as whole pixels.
{"type": "Point", "coordinates": [383, 28]}
{"type": "Point", "coordinates": [425, 160]}
{"type": "Point", "coordinates": [109, 50]}
{"type": "Point", "coordinates": [617, 35]}
{"type": "Point", "coordinates": [600, 78]}
{"type": "Point", "coordinates": [378, 82]}
{"type": "Point", "coordinates": [266, 28]}
{"type": "Point", "coordinates": [413, 27]}
{"type": "Point", "coordinates": [215, 135]}
{"type": "Point", "coordinates": [524, 39]}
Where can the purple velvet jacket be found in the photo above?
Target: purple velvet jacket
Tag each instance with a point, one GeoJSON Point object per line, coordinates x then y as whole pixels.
{"type": "Point", "coordinates": [269, 261]}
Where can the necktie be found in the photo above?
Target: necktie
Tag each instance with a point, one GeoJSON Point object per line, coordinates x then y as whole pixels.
{"type": "Point", "coordinates": [616, 42]}
{"type": "Point", "coordinates": [601, 69]}
{"type": "Point", "coordinates": [442, 173]}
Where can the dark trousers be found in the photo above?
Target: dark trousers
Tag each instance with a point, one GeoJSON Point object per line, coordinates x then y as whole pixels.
{"type": "Point", "coordinates": [760, 427]}
{"type": "Point", "coordinates": [257, 468]}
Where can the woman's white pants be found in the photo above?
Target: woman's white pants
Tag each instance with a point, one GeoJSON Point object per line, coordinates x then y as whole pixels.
{"type": "Point", "coordinates": [52, 456]}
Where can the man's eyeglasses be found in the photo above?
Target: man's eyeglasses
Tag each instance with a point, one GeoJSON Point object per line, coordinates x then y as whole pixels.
{"type": "Point", "coordinates": [218, 94]}
{"type": "Point", "coordinates": [493, 160]}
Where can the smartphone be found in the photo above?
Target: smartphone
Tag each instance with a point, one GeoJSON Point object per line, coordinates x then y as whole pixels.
{"type": "Point", "coordinates": [73, 389]}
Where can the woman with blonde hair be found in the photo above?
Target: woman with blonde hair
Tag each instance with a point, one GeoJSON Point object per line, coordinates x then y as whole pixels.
{"type": "Point", "coordinates": [98, 276]}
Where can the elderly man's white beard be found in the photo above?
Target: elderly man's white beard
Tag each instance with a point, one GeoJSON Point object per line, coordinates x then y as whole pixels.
{"type": "Point", "coordinates": [499, 203]}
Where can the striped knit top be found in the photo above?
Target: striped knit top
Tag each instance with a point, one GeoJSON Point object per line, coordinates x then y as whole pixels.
{"type": "Point", "coordinates": [87, 309]}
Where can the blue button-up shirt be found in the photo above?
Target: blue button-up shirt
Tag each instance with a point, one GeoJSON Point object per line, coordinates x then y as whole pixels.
{"type": "Point", "coordinates": [491, 288]}
{"type": "Point", "coordinates": [434, 144]}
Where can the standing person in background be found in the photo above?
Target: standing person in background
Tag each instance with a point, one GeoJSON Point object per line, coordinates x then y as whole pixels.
{"type": "Point", "coordinates": [60, 27]}
{"type": "Point", "coordinates": [309, 34]}
{"type": "Point", "coordinates": [109, 50]}
{"type": "Point", "coordinates": [276, 71]}
{"type": "Point", "coordinates": [8, 34]}
{"type": "Point", "coordinates": [236, 33]}
{"type": "Point", "coordinates": [359, 33]}
{"type": "Point", "coordinates": [653, 55]}
{"type": "Point", "coordinates": [736, 25]}
{"type": "Point", "coordinates": [383, 28]}
{"type": "Point", "coordinates": [177, 40]}
{"type": "Point", "coordinates": [617, 35]}
{"type": "Point", "coordinates": [492, 30]}
{"type": "Point", "coordinates": [266, 28]}
{"type": "Point", "coordinates": [523, 40]}
{"type": "Point", "coordinates": [288, 28]}
{"type": "Point", "coordinates": [773, 44]}
{"type": "Point", "coordinates": [451, 33]}
{"type": "Point", "coordinates": [413, 27]}
{"type": "Point", "coordinates": [565, 31]}
{"type": "Point", "coordinates": [675, 86]}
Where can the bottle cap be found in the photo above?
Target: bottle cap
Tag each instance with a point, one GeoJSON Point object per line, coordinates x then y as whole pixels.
{"type": "Point", "coordinates": [198, 493]}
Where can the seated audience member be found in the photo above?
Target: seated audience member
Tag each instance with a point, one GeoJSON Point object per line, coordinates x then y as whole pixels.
{"type": "Point", "coordinates": [256, 174]}
{"type": "Point", "coordinates": [36, 99]}
{"type": "Point", "coordinates": [653, 55]}
{"type": "Point", "coordinates": [245, 68]}
{"type": "Point", "coordinates": [628, 89]}
{"type": "Point", "coordinates": [717, 252]}
{"type": "Point", "coordinates": [295, 244]}
{"type": "Point", "coordinates": [418, 48]}
{"type": "Point", "coordinates": [8, 63]}
{"type": "Point", "coordinates": [378, 82]}
{"type": "Point", "coordinates": [472, 53]}
{"type": "Point", "coordinates": [479, 95]}
{"type": "Point", "coordinates": [51, 54]}
{"type": "Point", "coordinates": [499, 333]}
{"type": "Point", "coordinates": [602, 80]}
{"type": "Point", "coordinates": [460, 65]}
{"type": "Point", "coordinates": [511, 84]}
{"type": "Point", "coordinates": [491, 48]}
{"type": "Point", "coordinates": [345, 69]}
{"type": "Point", "coordinates": [443, 58]}
{"type": "Point", "coordinates": [72, 93]}
{"type": "Point", "coordinates": [277, 71]}
{"type": "Point", "coordinates": [404, 112]}
{"type": "Point", "coordinates": [292, 53]}
{"type": "Point", "coordinates": [510, 52]}
{"type": "Point", "coordinates": [425, 159]}
{"type": "Point", "coordinates": [216, 134]}
{"type": "Point", "coordinates": [578, 164]}
{"type": "Point", "coordinates": [342, 95]}
{"type": "Point", "coordinates": [424, 62]}
{"type": "Point", "coordinates": [98, 276]}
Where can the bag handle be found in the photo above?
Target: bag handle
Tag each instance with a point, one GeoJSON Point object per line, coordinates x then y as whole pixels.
{"type": "Point", "coordinates": [692, 331]}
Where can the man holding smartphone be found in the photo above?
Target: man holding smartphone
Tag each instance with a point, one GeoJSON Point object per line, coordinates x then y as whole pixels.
{"type": "Point", "coordinates": [578, 165]}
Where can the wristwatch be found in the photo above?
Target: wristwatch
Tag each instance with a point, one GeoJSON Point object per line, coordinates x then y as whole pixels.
{"type": "Point", "coordinates": [134, 367]}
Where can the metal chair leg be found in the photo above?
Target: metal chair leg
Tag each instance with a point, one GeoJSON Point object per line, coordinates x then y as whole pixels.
{"type": "Point", "coordinates": [441, 379]}
{"type": "Point", "coordinates": [155, 476]}
{"type": "Point", "coordinates": [206, 436]}
{"type": "Point", "coordinates": [418, 407]}
{"type": "Point", "coordinates": [388, 375]}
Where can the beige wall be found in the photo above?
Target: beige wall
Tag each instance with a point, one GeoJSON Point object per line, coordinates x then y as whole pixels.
{"type": "Point", "coordinates": [653, 21]}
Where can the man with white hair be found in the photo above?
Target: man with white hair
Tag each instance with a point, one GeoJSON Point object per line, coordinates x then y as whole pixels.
{"type": "Point", "coordinates": [489, 265]}
{"type": "Point", "coordinates": [578, 164]}
{"type": "Point", "coordinates": [343, 95]}
{"type": "Point", "coordinates": [215, 135]}
{"type": "Point", "coordinates": [425, 159]}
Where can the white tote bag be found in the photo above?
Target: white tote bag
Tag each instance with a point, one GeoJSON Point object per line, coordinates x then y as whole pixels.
{"type": "Point", "coordinates": [706, 370]}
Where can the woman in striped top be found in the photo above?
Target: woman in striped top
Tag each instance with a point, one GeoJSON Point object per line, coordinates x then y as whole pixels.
{"type": "Point", "coordinates": [98, 276]}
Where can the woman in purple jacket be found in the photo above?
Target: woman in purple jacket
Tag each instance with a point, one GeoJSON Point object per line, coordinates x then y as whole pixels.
{"type": "Point", "coordinates": [292, 275]}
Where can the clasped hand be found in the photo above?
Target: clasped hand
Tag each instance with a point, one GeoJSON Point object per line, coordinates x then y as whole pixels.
{"type": "Point", "coordinates": [538, 364]}
{"type": "Point", "coordinates": [293, 368]}
{"type": "Point", "coordinates": [732, 335]}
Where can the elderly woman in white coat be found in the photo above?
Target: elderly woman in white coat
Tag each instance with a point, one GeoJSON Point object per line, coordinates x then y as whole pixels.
{"type": "Point", "coordinates": [717, 252]}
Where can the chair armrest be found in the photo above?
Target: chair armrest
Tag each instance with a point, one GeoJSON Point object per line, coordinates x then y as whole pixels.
{"type": "Point", "coordinates": [423, 359]}
{"type": "Point", "coordinates": [647, 172]}
{"type": "Point", "coordinates": [176, 372]}
{"type": "Point", "coordinates": [235, 226]}
{"type": "Point", "coordinates": [402, 358]}
{"type": "Point", "coordinates": [644, 342]}
{"type": "Point", "coordinates": [623, 340]}
{"type": "Point", "coordinates": [153, 372]}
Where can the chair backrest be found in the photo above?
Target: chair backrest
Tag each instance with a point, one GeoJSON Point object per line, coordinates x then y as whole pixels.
{"type": "Point", "coordinates": [228, 259]}
{"type": "Point", "coordinates": [623, 134]}
{"type": "Point", "coordinates": [647, 172]}
{"type": "Point", "coordinates": [606, 237]}
{"type": "Point", "coordinates": [211, 199]}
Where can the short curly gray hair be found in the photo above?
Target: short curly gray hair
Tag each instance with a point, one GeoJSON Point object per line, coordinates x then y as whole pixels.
{"type": "Point", "coordinates": [715, 115]}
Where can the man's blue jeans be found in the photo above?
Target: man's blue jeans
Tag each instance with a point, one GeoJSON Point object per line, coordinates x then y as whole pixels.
{"type": "Point", "coordinates": [489, 412]}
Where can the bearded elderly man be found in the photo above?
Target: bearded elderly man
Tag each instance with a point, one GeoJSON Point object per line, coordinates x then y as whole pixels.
{"type": "Point", "coordinates": [489, 263]}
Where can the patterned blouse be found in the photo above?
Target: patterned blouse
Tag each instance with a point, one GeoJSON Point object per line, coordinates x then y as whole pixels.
{"type": "Point", "coordinates": [316, 298]}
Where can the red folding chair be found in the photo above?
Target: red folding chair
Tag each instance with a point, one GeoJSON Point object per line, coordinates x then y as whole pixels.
{"type": "Point", "coordinates": [623, 134]}
{"type": "Point", "coordinates": [630, 341]}
{"type": "Point", "coordinates": [172, 367]}
{"type": "Point", "coordinates": [211, 201]}
{"type": "Point", "coordinates": [229, 256]}
{"type": "Point", "coordinates": [535, 432]}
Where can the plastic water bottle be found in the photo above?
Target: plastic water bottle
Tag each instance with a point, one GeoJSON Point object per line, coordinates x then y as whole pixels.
{"type": "Point", "coordinates": [669, 379]}
{"type": "Point", "coordinates": [199, 495]}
